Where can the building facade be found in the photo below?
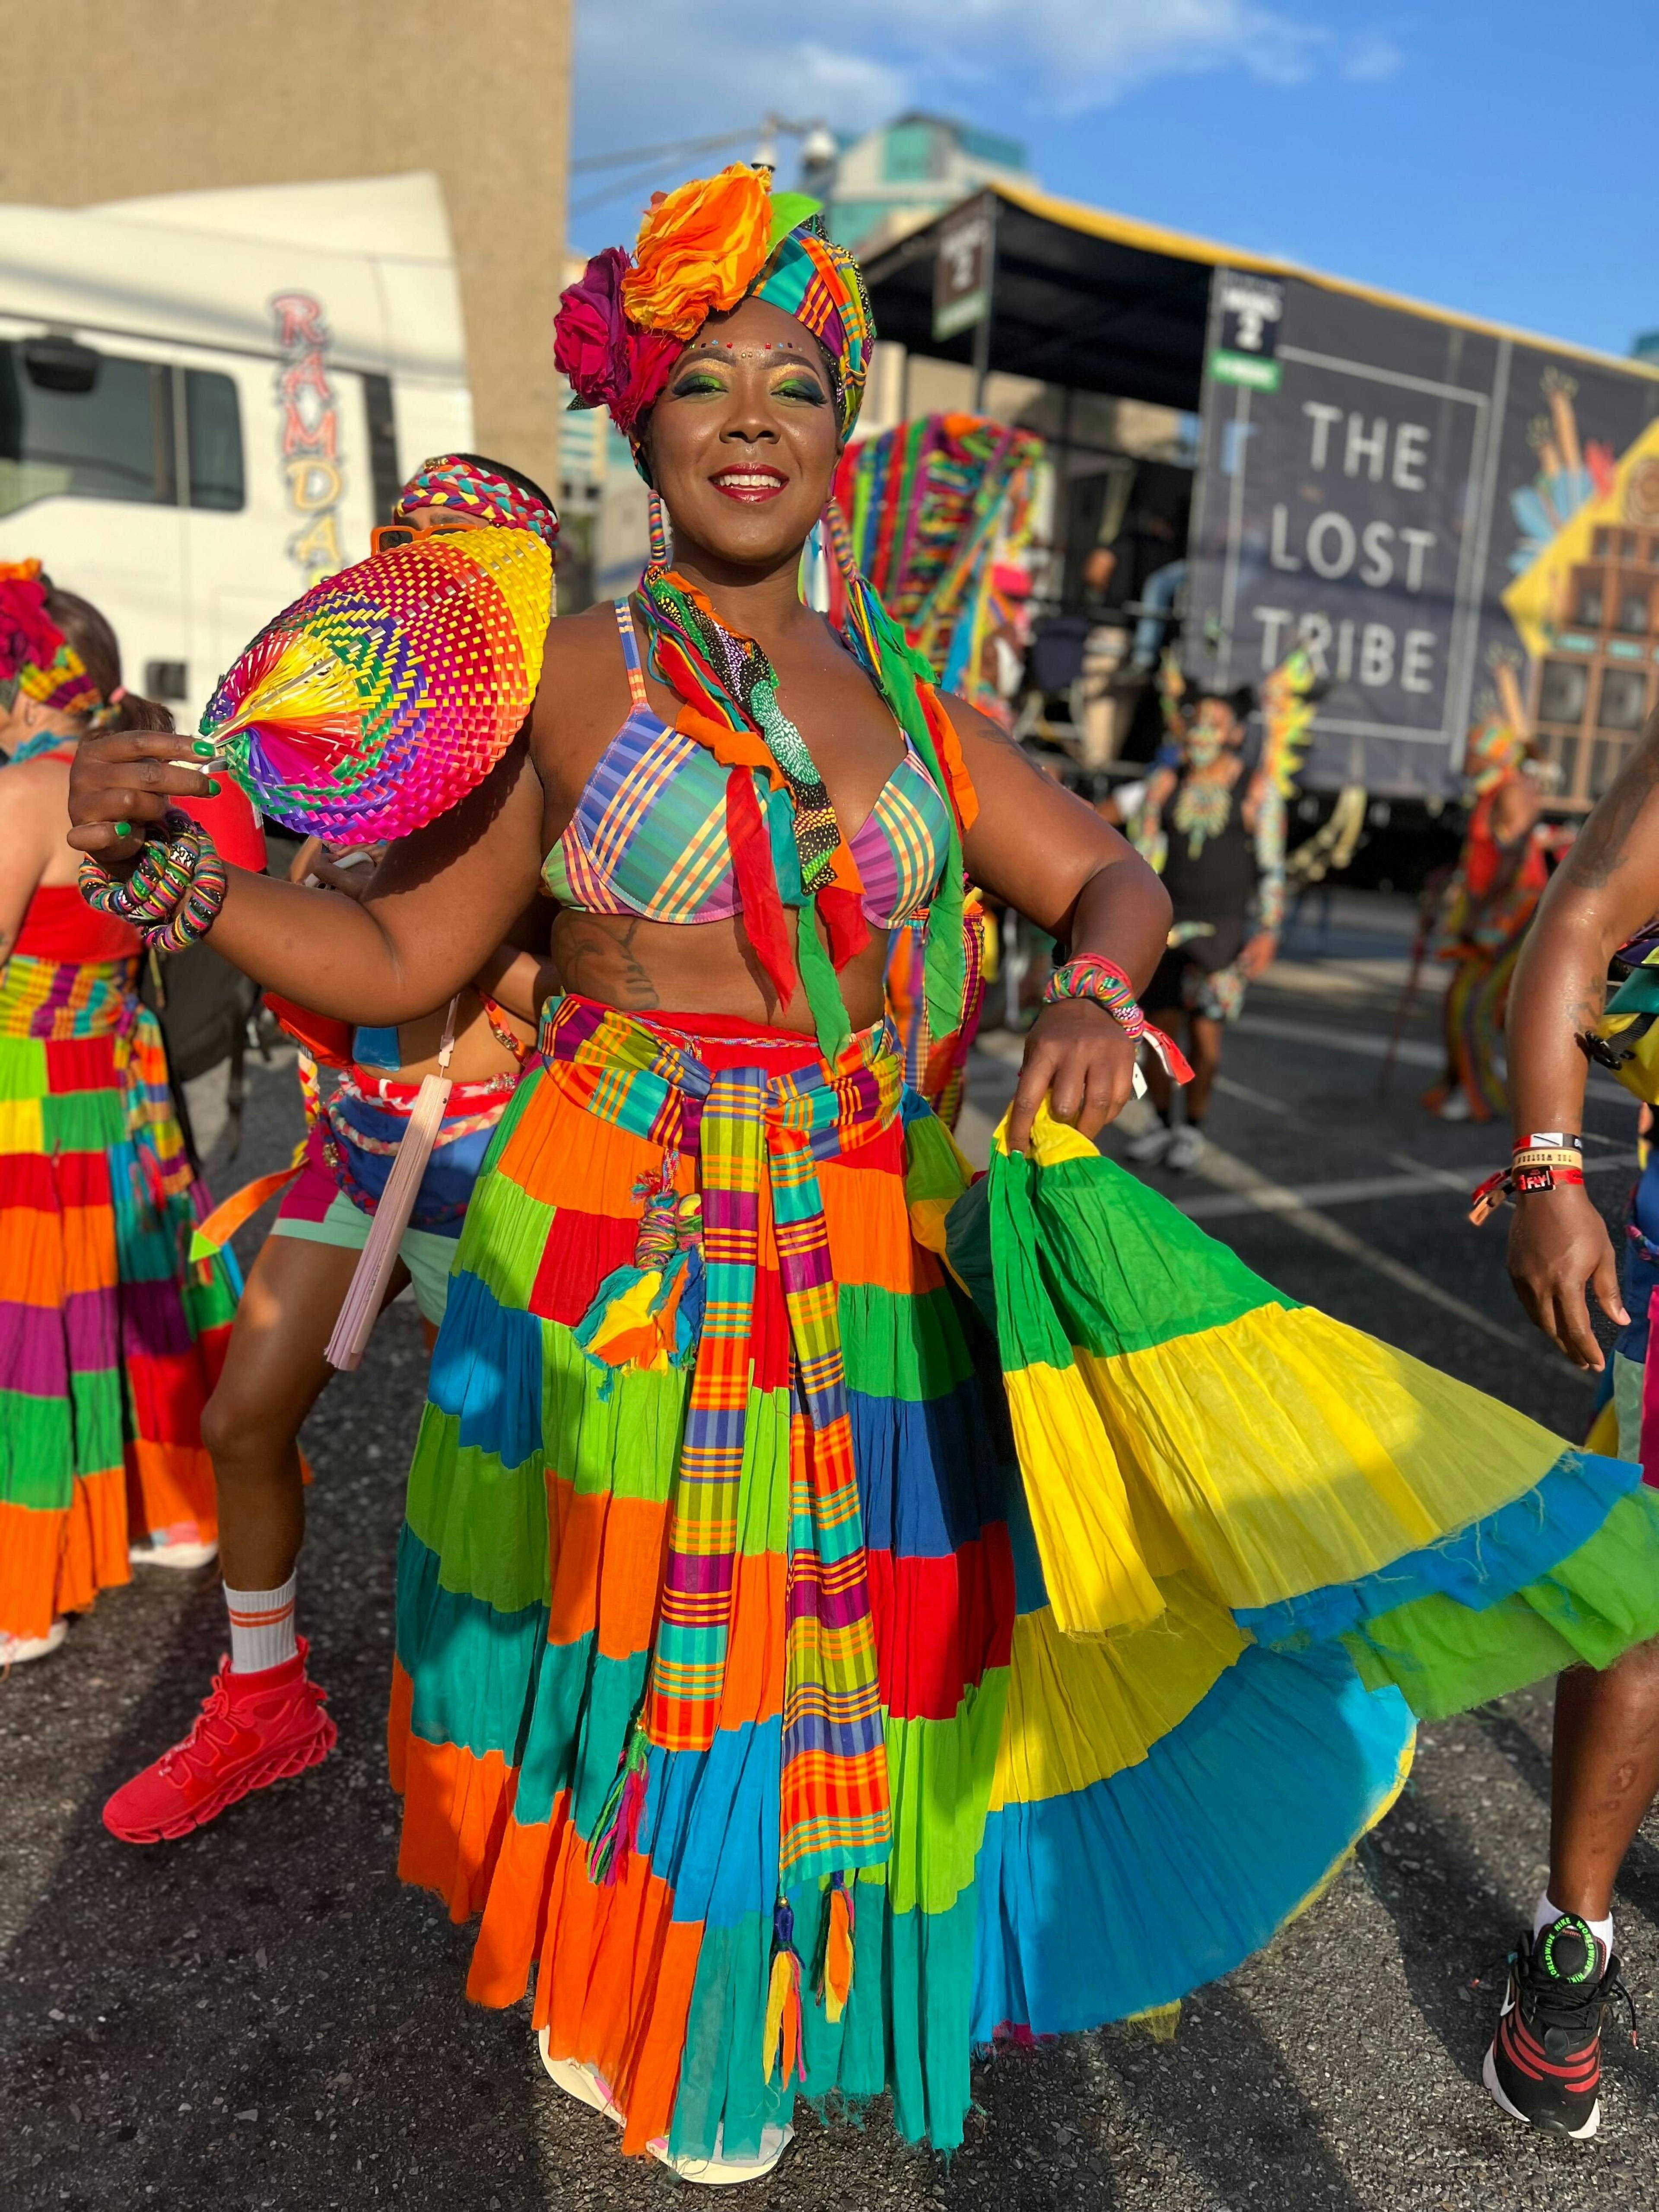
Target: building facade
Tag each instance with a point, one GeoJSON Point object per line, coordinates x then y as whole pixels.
{"type": "Point", "coordinates": [109, 102]}
{"type": "Point", "coordinates": [892, 181]}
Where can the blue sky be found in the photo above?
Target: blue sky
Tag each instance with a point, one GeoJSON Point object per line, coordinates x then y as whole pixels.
{"type": "Point", "coordinates": [1500, 159]}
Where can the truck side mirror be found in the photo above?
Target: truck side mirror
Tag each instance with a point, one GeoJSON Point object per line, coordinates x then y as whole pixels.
{"type": "Point", "coordinates": [60, 364]}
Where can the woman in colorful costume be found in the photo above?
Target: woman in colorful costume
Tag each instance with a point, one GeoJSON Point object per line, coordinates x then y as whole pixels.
{"type": "Point", "coordinates": [1501, 875]}
{"type": "Point", "coordinates": [774, 1676]}
{"type": "Point", "coordinates": [109, 1339]}
{"type": "Point", "coordinates": [1215, 832]}
{"type": "Point", "coordinates": [262, 1720]}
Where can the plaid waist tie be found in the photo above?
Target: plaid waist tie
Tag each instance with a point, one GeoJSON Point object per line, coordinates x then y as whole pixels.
{"type": "Point", "coordinates": [757, 1137]}
{"type": "Point", "coordinates": [63, 1002]}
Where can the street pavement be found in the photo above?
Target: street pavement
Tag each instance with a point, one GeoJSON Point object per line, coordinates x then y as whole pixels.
{"type": "Point", "coordinates": [262, 2017]}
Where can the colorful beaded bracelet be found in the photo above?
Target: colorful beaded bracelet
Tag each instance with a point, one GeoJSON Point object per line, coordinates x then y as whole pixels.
{"type": "Point", "coordinates": [1089, 976]}
{"type": "Point", "coordinates": [174, 893]}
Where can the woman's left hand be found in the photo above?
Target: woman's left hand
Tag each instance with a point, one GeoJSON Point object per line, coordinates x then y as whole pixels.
{"type": "Point", "coordinates": [1082, 1061]}
{"type": "Point", "coordinates": [1258, 955]}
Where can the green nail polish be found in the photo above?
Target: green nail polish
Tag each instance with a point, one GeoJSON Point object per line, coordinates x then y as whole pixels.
{"type": "Point", "coordinates": [214, 788]}
{"type": "Point", "coordinates": [124, 829]}
{"type": "Point", "coordinates": [201, 744]}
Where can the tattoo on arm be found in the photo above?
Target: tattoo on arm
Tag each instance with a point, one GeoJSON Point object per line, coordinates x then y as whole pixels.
{"type": "Point", "coordinates": [1602, 844]}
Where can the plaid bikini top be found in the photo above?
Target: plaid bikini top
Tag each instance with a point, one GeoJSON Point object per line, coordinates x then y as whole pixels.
{"type": "Point", "coordinates": [648, 835]}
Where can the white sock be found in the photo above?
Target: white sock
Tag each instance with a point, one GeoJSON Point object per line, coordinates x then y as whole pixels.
{"type": "Point", "coordinates": [1549, 1912]}
{"type": "Point", "coordinates": [261, 1627]}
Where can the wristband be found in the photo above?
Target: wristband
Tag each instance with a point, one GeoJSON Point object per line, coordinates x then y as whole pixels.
{"type": "Point", "coordinates": [1548, 1138]}
{"type": "Point", "coordinates": [1089, 976]}
{"type": "Point", "coordinates": [1518, 1180]}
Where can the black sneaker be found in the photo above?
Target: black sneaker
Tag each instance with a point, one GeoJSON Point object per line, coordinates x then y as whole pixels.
{"type": "Point", "coordinates": [1545, 2063]}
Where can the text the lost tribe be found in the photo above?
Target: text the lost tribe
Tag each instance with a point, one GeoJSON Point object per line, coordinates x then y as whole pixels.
{"type": "Point", "coordinates": [1323, 541]}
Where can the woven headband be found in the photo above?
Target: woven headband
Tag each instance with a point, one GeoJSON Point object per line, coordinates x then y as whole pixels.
{"type": "Point", "coordinates": [454, 481]}
{"type": "Point", "coordinates": [33, 652]}
{"type": "Point", "coordinates": [701, 250]}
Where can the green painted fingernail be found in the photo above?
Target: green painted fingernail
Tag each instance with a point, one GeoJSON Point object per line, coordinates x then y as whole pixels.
{"type": "Point", "coordinates": [201, 744]}
{"type": "Point", "coordinates": [214, 788]}
{"type": "Point", "coordinates": [124, 829]}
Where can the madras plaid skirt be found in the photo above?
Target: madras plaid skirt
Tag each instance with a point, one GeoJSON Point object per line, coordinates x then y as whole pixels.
{"type": "Point", "coordinates": [729, 1692]}
{"type": "Point", "coordinates": [110, 1340]}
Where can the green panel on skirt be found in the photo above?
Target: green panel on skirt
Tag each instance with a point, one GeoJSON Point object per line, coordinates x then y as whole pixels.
{"type": "Point", "coordinates": [487, 1523]}
{"type": "Point", "coordinates": [895, 1345]}
{"type": "Point", "coordinates": [36, 1469]}
{"type": "Point", "coordinates": [84, 1122]}
{"type": "Point", "coordinates": [505, 1234]}
{"type": "Point", "coordinates": [941, 1773]}
{"type": "Point", "coordinates": [23, 1068]}
{"type": "Point", "coordinates": [1445, 1657]}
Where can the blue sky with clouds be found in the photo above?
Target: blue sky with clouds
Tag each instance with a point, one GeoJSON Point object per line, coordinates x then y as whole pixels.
{"type": "Point", "coordinates": [1496, 158]}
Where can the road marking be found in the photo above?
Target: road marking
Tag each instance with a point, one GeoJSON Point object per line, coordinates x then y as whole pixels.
{"type": "Point", "coordinates": [1252, 1192]}
{"type": "Point", "coordinates": [1367, 1043]}
{"type": "Point", "coordinates": [1419, 1182]}
{"type": "Point", "coordinates": [1370, 1044]}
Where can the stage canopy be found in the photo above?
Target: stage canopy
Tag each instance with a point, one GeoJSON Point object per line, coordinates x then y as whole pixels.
{"type": "Point", "coordinates": [1096, 301]}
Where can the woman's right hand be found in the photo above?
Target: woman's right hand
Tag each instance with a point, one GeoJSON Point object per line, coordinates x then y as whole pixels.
{"type": "Point", "coordinates": [1558, 1243]}
{"type": "Point", "coordinates": [122, 780]}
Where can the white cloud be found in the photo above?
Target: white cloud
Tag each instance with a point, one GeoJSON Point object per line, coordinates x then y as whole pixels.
{"type": "Point", "coordinates": [649, 71]}
{"type": "Point", "coordinates": [1371, 58]}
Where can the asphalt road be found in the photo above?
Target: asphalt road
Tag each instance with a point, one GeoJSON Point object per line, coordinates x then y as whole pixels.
{"type": "Point", "coordinates": [261, 2016]}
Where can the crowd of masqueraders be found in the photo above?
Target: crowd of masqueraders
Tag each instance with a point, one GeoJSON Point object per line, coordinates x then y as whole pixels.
{"type": "Point", "coordinates": [824, 1567]}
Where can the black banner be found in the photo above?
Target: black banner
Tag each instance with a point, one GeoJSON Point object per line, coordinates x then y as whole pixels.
{"type": "Point", "coordinates": [1370, 482]}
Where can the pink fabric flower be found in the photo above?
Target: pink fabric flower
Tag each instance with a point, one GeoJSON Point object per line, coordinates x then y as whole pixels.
{"type": "Point", "coordinates": [608, 361]}
{"type": "Point", "coordinates": [29, 636]}
{"type": "Point", "coordinates": [648, 358]}
{"type": "Point", "coordinates": [588, 331]}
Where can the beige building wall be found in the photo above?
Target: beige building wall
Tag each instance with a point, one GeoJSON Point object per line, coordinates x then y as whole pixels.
{"type": "Point", "coordinates": [118, 99]}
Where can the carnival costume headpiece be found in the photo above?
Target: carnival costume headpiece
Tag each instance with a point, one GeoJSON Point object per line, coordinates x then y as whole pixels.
{"type": "Point", "coordinates": [463, 483]}
{"type": "Point", "coordinates": [701, 249]}
{"type": "Point", "coordinates": [33, 652]}
{"type": "Point", "coordinates": [1495, 747]}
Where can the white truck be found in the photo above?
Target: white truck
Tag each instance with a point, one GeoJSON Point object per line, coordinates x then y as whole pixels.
{"type": "Point", "coordinates": [207, 399]}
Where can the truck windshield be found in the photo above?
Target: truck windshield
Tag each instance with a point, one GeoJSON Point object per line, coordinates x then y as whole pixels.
{"type": "Point", "coordinates": [80, 424]}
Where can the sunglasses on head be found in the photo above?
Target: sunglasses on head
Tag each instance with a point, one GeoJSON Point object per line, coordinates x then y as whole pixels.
{"type": "Point", "coordinates": [385, 535]}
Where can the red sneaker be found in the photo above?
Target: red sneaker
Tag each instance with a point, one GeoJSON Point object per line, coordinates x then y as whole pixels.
{"type": "Point", "coordinates": [252, 1730]}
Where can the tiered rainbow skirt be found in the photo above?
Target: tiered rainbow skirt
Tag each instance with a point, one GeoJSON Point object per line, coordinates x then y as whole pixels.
{"type": "Point", "coordinates": [842, 1621]}
{"type": "Point", "coordinates": [110, 1341]}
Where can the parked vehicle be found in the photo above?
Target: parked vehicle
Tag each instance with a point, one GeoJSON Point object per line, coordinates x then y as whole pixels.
{"type": "Point", "coordinates": [207, 399]}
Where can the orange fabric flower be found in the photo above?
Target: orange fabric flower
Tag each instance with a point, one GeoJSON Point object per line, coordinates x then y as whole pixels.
{"type": "Point", "coordinates": [700, 248]}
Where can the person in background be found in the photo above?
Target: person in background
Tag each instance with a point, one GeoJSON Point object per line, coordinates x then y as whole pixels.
{"type": "Point", "coordinates": [1215, 831]}
{"type": "Point", "coordinates": [262, 1720]}
{"type": "Point", "coordinates": [1501, 874]}
{"type": "Point", "coordinates": [1159, 595]}
{"type": "Point", "coordinates": [109, 1340]}
{"type": "Point", "coordinates": [1543, 2064]}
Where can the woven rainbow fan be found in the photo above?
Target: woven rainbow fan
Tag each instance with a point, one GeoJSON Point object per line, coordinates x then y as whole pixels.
{"type": "Point", "coordinates": [390, 690]}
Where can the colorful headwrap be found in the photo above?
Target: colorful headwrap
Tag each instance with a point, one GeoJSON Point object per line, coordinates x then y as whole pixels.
{"type": "Point", "coordinates": [34, 650]}
{"type": "Point", "coordinates": [1494, 748]}
{"type": "Point", "coordinates": [457, 480]}
{"type": "Point", "coordinates": [701, 250]}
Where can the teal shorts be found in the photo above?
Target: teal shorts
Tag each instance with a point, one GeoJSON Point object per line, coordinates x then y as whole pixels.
{"type": "Point", "coordinates": [427, 1255]}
